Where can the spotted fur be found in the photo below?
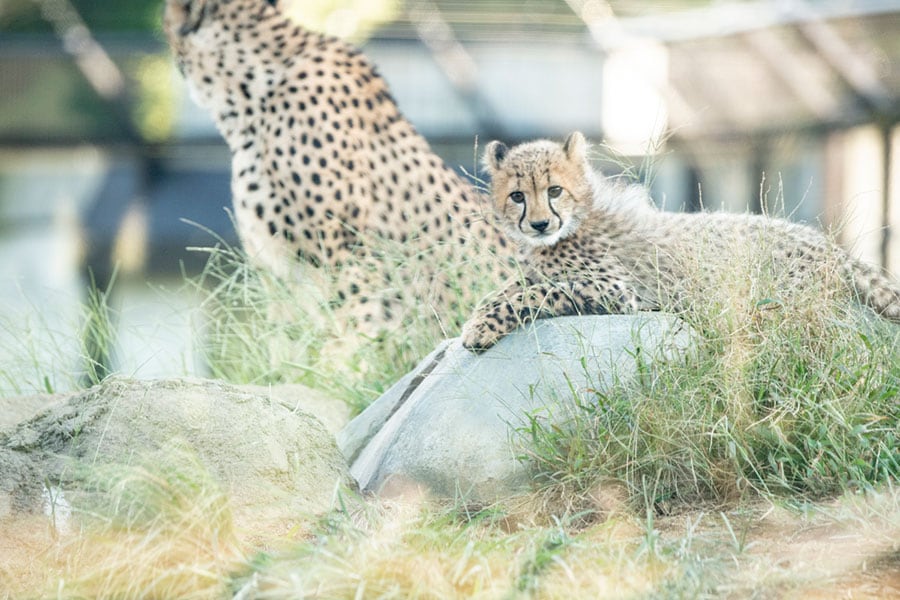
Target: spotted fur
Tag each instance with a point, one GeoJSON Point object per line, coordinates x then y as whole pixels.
{"type": "Point", "coordinates": [590, 247]}
{"type": "Point", "coordinates": [324, 164]}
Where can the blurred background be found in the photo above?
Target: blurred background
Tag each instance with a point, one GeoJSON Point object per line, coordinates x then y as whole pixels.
{"type": "Point", "coordinates": [787, 106]}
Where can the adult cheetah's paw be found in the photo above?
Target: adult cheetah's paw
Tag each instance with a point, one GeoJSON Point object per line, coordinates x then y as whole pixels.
{"type": "Point", "coordinates": [479, 334]}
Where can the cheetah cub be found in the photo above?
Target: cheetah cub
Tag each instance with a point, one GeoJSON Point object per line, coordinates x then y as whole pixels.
{"type": "Point", "coordinates": [589, 246]}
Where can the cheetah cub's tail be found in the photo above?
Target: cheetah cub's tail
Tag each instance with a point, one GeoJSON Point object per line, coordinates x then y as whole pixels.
{"type": "Point", "coordinates": [876, 290]}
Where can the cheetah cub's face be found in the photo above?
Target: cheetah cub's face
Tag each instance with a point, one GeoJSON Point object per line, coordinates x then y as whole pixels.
{"type": "Point", "coordinates": [541, 190]}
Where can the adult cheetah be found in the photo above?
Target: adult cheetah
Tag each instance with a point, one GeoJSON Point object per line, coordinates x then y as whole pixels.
{"type": "Point", "coordinates": [589, 246]}
{"type": "Point", "coordinates": [325, 168]}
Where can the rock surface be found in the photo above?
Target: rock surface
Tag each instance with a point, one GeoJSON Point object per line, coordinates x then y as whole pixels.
{"type": "Point", "coordinates": [275, 462]}
{"type": "Point", "coordinates": [450, 424]}
{"type": "Point", "coordinates": [17, 409]}
{"type": "Point", "coordinates": [334, 414]}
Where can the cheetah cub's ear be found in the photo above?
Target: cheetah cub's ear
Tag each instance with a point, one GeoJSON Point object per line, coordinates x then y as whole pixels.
{"type": "Point", "coordinates": [576, 147]}
{"type": "Point", "coordinates": [494, 155]}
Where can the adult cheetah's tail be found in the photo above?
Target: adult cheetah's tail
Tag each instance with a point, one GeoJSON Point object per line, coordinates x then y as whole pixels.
{"type": "Point", "coordinates": [876, 290]}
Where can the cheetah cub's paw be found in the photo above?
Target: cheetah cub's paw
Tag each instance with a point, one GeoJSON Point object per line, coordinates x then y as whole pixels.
{"type": "Point", "coordinates": [479, 334]}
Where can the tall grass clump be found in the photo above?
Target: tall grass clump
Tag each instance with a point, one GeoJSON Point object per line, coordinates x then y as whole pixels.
{"type": "Point", "coordinates": [98, 332]}
{"type": "Point", "coordinates": [34, 357]}
{"type": "Point", "coordinates": [160, 528]}
{"type": "Point", "coordinates": [68, 348]}
{"type": "Point", "coordinates": [792, 388]}
{"type": "Point", "coordinates": [262, 328]}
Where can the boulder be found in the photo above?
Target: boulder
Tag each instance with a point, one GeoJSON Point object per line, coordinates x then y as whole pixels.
{"type": "Point", "coordinates": [333, 414]}
{"type": "Point", "coordinates": [450, 425]}
{"type": "Point", "coordinates": [273, 462]}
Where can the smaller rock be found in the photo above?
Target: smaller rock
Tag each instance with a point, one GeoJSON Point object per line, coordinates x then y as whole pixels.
{"type": "Point", "coordinates": [16, 409]}
{"type": "Point", "coordinates": [296, 397]}
{"type": "Point", "coordinates": [449, 425]}
{"type": "Point", "coordinates": [274, 463]}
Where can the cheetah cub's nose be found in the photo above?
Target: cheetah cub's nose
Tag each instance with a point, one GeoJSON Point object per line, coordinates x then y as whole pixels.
{"type": "Point", "coordinates": [539, 226]}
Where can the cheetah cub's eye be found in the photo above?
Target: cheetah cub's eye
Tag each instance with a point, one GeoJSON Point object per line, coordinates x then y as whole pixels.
{"type": "Point", "coordinates": [554, 191]}
{"type": "Point", "coordinates": [517, 197]}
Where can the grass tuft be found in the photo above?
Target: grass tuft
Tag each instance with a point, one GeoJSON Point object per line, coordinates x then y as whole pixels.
{"type": "Point", "coordinates": [259, 328]}
{"type": "Point", "coordinates": [162, 528]}
{"type": "Point", "coordinates": [98, 335]}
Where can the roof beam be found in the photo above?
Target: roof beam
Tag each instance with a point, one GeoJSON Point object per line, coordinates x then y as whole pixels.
{"type": "Point", "coordinates": [857, 72]}
{"type": "Point", "coordinates": [722, 20]}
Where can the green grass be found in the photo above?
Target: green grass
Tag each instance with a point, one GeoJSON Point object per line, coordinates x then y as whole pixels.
{"type": "Point", "coordinates": [98, 333]}
{"type": "Point", "coordinates": [41, 352]}
{"type": "Point", "coordinates": [264, 330]}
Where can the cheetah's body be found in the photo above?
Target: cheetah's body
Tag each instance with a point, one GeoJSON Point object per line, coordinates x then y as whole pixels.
{"type": "Point", "coordinates": [589, 246]}
{"type": "Point", "coordinates": [323, 161]}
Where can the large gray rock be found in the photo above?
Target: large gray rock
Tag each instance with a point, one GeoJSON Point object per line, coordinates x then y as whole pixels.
{"type": "Point", "coordinates": [274, 462]}
{"type": "Point", "coordinates": [450, 424]}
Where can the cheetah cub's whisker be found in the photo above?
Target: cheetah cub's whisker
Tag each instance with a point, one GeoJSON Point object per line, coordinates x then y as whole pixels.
{"type": "Point", "coordinates": [590, 246]}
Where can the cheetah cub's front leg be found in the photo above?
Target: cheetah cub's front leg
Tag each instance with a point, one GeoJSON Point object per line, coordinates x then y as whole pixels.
{"type": "Point", "coordinates": [507, 310]}
{"type": "Point", "coordinates": [480, 333]}
{"type": "Point", "coordinates": [517, 305]}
